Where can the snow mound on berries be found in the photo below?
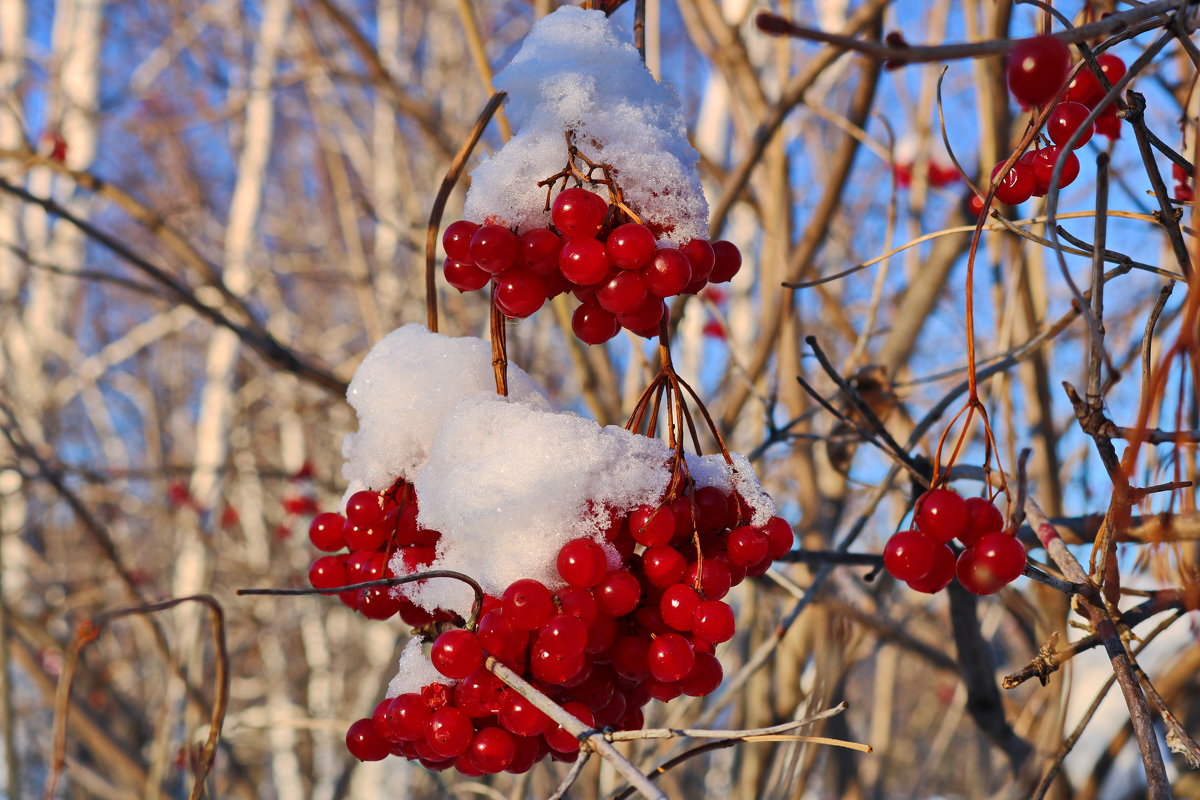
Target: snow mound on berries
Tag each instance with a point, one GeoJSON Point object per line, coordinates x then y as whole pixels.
{"type": "Point", "coordinates": [576, 72]}
{"type": "Point", "coordinates": [403, 390]}
{"type": "Point", "coordinates": [508, 484]}
{"type": "Point", "coordinates": [415, 670]}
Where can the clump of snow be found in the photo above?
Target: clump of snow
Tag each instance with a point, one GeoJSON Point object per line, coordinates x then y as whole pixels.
{"type": "Point", "coordinates": [415, 670]}
{"type": "Point", "coordinates": [713, 470]}
{"type": "Point", "coordinates": [408, 383]}
{"type": "Point", "coordinates": [575, 71]}
{"type": "Point", "coordinates": [508, 484]}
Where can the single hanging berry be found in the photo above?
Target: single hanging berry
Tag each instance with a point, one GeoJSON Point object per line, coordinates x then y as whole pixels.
{"type": "Point", "coordinates": [1037, 69]}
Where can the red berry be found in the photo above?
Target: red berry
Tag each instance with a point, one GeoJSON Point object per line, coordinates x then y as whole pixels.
{"type": "Point", "coordinates": [628, 655]}
{"type": "Point", "coordinates": [363, 539]}
{"type": "Point", "coordinates": [577, 603]}
{"type": "Point", "coordinates": [560, 740]}
{"type": "Point", "coordinates": [527, 604]}
{"type": "Point", "coordinates": [975, 577]}
{"type": "Point", "coordinates": [464, 275]}
{"type": "Point", "coordinates": [327, 572]}
{"type": "Point", "coordinates": [449, 732]}
{"type": "Point", "coordinates": [622, 293]}
{"type": "Point", "coordinates": [663, 565]}
{"type": "Point", "coordinates": [537, 250]}
{"type": "Point", "coordinates": [728, 261]}
{"type": "Point", "coordinates": [670, 657]}
{"type": "Point", "coordinates": [713, 579]}
{"type": "Point", "coordinates": [678, 606]}
{"type": "Point", "coordinates": [491, 750]}
{"type": "Point", "coordinates": [378, 602]}
{"type": "Point", "coordinates": [645, 316]}
{"type": "Point", "coordinates": [779, 537]}
{"type": "Point", "coordinates": [1085, 86]}
{"type": "Point", "coordinates": [366, 743]}
{"type": "Point", "coordinates": [456, 653]}
{"type": "Point", "coordinates": [746, 545]}
{"type": "Point", "coordinates": [456, 239]}
{"type": "Point", "coordinates": [668, 273]}
{"type": "Point", "coordinates": [1037, 69]}
{"type": "Point", "coordinates": [578, 212]}
{"type": "Point", "coordinates": [563, 635]}
{"type": "Point", "coordinates": [618, 593]}
{"type": "Point", "coordinates": [712, 509]}
{"type": "Point", "coordinates": [702, 258]}
{"type": "Point", "coordinates": [909, 555]}
{"type": "Point", "coordinates": [1002, 554]}
{"type": "Point", "coordinates": [705, 676]}
{"type": "Point", "coordinates": [325, 532]}
{"type": "Point", "coordinates": [630, 246]}
{"type": "Point", "coordinates": [581, 562]}
{"type": "Point", "coordinates": [1017, 185]}
{"type": "Point", "coordinates": [713, 621]}
{"type": "Point", "coordinates": [652, 526]}
{"type": "Point", "coordinates": [408, 716]}
{"type": "Point", "coordinates": [1109, 124]}
{"type": "Point", "coordinates": [984, 518]}
{"type": "Point", "coordinates": [939, 575]}
{"type": "Point", "coordinates": [365, 508]}
{"type": "Point", "coordinates": [601, 634]}
{"type": "Point", "coordinates": [493, 248]}
{"type": "Point", "coordinates": [941, 514]}
{"type": "Point", "coordinates": [583, 261]}
{"type": "Point", "coordinates": [1067, 118]}
{"type": "Point", "coordinates": [519, 715]}
{"type": "Point", "coordinates": [1043, 166]}
{"type": "Point", "coordinates": [593, 324]}
{"type": "Point", "coordinates": [520, 292]}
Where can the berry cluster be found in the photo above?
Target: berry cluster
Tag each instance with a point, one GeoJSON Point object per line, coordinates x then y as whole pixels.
{"type": "Point", "coordinates": [923, 558]}
{"type": "Point", "coordinates": [638, 618]}
{"type": "Point", "coordinates": [618, 271]}
{"type": "Point", "coordinates": [1037, 70]}
{"type": "Point", "coordinates": [376, 526]}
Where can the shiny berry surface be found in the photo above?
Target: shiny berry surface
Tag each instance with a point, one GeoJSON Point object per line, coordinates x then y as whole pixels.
{"type": "Point", "coordinates": [1066, 118]}
{"type": "Point", "coordinates": [493, 248]}
{"type": "Point", "coordinates": [630, 246]}
{"type": "Point", "coordinates": [1016, 186]}
{"type": "Point", "coordinates": [583, 261]}
{"type": "Point", "coordinates": [577, 212]}
{"type": "Point", "coordinates": [1037, 69]}
{"type": "Point", "coordinates": [366, 743]}
{"type": "Point", "coordinates": [593, 324]}
{"type": "Point", "coordinates": [456, 653]}
{"type": "Point", "coordinates": [456, 239]}
{"type": "Point", "coordinates": [909, 555]}
{"type": "Point", "coordinates": [464, 275]}
{"type": "Point", "coordinates": [941, 514]}
{"type": "Point", "coordinates": [520, 292]}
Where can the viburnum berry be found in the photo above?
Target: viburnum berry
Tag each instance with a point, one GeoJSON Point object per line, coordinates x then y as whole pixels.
{"type": "Point", "coordinates": [581, 562]}
{"type": "Point", "coordinates": [366, 743]}
{"type": "Point", "coordinates": [1109, 123]}
{"type": "Point", "coordinates": [522, 717]}
{"type": "Point", "coordinates": [663, 565]}
{"type": "Point", "coordinates": [593, 324]}
{"type": "Point", "coordinates": [1002, 554]}
{"type": "Point", "coordinates": [577, 602]}
{"type": "Point", "coordinates": [652, 526]}
{"type": "Point", "coordinates": [728, 261]}
{"type": "Point", "coordinates": [327, 572]}
{"type": "Point", "coordinates": [464, 275]}
{"type": "Point", "coordinates": [984, 518]}
{"type": "Point", "coordinates": [668, 273]}
{"type": "Point", "coordinates": [449, 732]}
{"type": "Point", "coordinates": [705, 676]}
{"type": "Point", "coordinates": [1066, 118]}
{"type": "Point", "coordinates": [618, 593]}
{"type": "Point", "coordinates": [494, 248]}
{"type": "Point", "coordinates": [583, 261]}
{"type": "Point", "coordinates": [623, 292]}
{"type": "Point", "coordinates": [630, 246]}
{"type": "Point", "coordinates": [563, 634]}
{"type": "Point", "coordinates": [712, 578]}
{"type": "Point", "coordinates": [527, 604]}
{"type": "Point", "coordinates": [378, 602]}
{"type": "Point", "coordinates": [561, 740]}
{"type": "Point", "coordinates": [645, 316]}
{"type": "Point", "coordinates": [976, 578]}
{"type": "Point", "coordinates": [1016, 186]}
{"type": "Point", "coordinates": [746, 545]}
{"type": "Point", "coordinates": [456, 239]}
{"type": "Point", "coordinates": [909, 555]}
{"type": "Point", "coordinates": [779, 537]}
{"type": "Point", "coordinates": [520, 292]}
{"type": "Point", "coordinates": [577, 212]}
{"type": "Point", "coordinates": [678, 606]}
{"type": "Point", "coordinates": [408, 716]}
{"type": "Point", "coordinates": [537, 250]}
{"type": "Point", "coordinates": [1043, 166]}
{"type": "Point", "coordinates": [939, 575]}
{"type": "Point", "coordinates": [628, 656]}
{"type": "Point", "coordinates": [325, 532]}
{"type": "Point", "coordinates": [456, 653]}
{"type": "Point", "coordinates": [365, 508]}
{"type": "Point", "coordinates": [1086, 88]}
{"type": "Point", "coordinates": [941, 514]}
{"type": "Point", "coordinates": [1037, 69]}
{"type": "Point", "coordinates": [713, 621]}
{"type": "Point", "coordinates": [359, 537]}
{"type": "Point", "coordinates": [702, 258]}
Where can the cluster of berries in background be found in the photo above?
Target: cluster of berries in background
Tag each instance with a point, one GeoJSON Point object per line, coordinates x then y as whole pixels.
{"type": "Point", "coordinates": [1037, 71]}
{"type": "Point", "coordinates": [376, 526]}
{"type": "Point", "coordinates": [637, 619]}
{"type": "Point", "coordinates": [619, 272]}
{"type": "Point", "coordinates": [923, 558]}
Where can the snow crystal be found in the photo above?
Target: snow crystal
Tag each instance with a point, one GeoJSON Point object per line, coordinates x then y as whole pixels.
{"type": "Point", "coordinates": [415, 670]}
{"type": "Point", "coordinates": [508, 484]}
{"type": "Point", "coordinates": [402, 391]}
{"type": "Point", "coordinates": [575, 71]}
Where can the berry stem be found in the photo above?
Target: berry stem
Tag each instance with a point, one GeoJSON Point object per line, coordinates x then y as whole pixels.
{"type": "Point", "coordinates": [499, 347]}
